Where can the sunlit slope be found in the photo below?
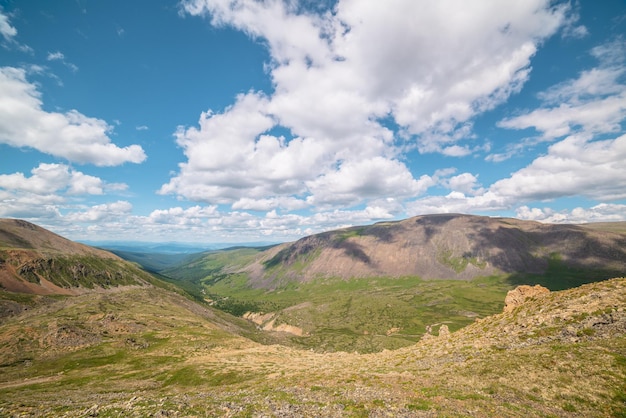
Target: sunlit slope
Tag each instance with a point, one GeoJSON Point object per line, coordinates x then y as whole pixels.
{"type": "Point", "coordinates": [430, 247]}
{"type": "Point", "coordinates": [442, 247]}
{"type": "Point", "coordinates": [559, 354]}
{"type": "Point", "coordinates": [383, 286]}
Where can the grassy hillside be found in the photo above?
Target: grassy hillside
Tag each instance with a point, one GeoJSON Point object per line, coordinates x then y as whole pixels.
{"type": "Point", "coordinates": [446, 246]}
{"type": "Point", "coordinates": [153, 262]}
{"type": "Point", "coordinates": [617, 227]}
{"type": "Point", "coordinates": [562, 354]}
{"type": "Point", "coordinates": [364, 315]}
{"type": "Point", "coordinates": [34, 260]}
{"type": "Point", "coordinates": [372, 313]}
{"type": "Point", "coordinates": [196, 270]}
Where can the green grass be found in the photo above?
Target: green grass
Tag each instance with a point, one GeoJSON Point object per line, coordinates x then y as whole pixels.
{"type": "Point", "coordinates": [21, 298]}
{"type": "Point", "coordinates": [80, 271]}
{"type": "Point", "coordinates": [459, 264]}
{"type": "Point", "coordinates": [361, 314]}
{"type": "Point", "coordinates": [560, 276]}
{"type": "Point", "coordinates": [364, 315]}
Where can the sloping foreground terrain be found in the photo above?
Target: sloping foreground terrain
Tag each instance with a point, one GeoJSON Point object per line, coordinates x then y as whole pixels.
{"type": "Point", "coordinates": [143, 351]}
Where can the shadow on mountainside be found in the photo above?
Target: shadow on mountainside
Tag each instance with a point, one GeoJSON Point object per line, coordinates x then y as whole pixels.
{"type": "Point", "coordinates": [560, 249]}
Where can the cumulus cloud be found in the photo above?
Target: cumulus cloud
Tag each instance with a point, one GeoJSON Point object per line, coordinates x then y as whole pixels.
{"type": "Point", "coordinates": [466, 183]}
{"type": "Point", "coordinates": [367, 178]}
{"type": "Point", "coordinates": [70, 135]}
{"type": "Point", "coordinates": [599, 213]}
{"type": "Point", "coordinates": [581, 110]}
{"type": "Point", "coordinates": [594, 103]}
{"type": "Point", "coordinates": [50, 178]}
{"type": "Point", "coordinates": [106, 212]}
{"type": "Point", "coordinates": [208, 223]}
{"type": "Point", "coordinates": [594, 117]}
{"type": "Point", "coordinates": [47, 190]}
{"type": "Point", "coordinates": [335, 72]}
{"type": "Point", "coordinates": [339, 77]}
{"type": "Point", "coordinates": [574, 166]}
{"type": "Point", "coordinates": [180, 216]}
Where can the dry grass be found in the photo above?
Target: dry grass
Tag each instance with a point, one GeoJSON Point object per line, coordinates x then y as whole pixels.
{"type": "Point", "coordinates": [143, 351]}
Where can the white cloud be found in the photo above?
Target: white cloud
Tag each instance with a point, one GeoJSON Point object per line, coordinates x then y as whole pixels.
{"type": "Point", "coordinates": [55, 56]}
{"type": "Point", "coordinates": [594, 103]}
{"type": "Point", "coordinates": [356, 58]}
{"type": "Point", "coordinates": [50, 178]}
{"type": "Point", "coordinates": [266, 205]}
{"type": "Point", "coordinates": [70, 135]}
{"type": "Point", "coordinates": [465, 183]}
{"type": "Point", "coordinates": [59, 56]}
{"type": "Point", "coordinates": [336, 77]}
{"type": "Point", "coordinates": [377, 177]}
{"type": "Point", "coordinates": [206, 224]}
{"type": "Point", "coordinates": [580, 164]}
{"type": "Point", "coordinates": [456, 202]}
{"type": "Point", "coordinates": [594, 117]}
{"type": "Point", "coordinates": [9, 34]}
{"type": "Point", "coordinates": [180, 216]}
{"type": "Point", "coordinates": [85, 184]}
{"type": "Point", "coordinates": [47, 191]}
{"type": "Point", "coordinates": [599, 213]}
{"type": "Point", "coordinates": [571, 28]}
{"type": "Point", "coordinates": [101, 213]}
{"type": "Point", "coordinates": [574, 166]}
{"type": "Point", "coordinates": [6, 30]}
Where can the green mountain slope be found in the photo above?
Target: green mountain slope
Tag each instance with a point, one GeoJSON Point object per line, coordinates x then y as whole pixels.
{"type": "Point", "coordinates": [37, 261]}
{"type": "Point", "coordinates": [381, 286]}
{"type": "Point", "coordinates": [448, 246]}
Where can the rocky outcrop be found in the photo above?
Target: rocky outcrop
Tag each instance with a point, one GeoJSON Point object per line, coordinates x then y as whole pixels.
{"type": "Point", "coordinates": [520, 294]}
{"type": "Point", "coordinates": [267, 322]}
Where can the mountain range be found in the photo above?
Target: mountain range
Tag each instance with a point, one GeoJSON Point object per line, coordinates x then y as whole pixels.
{"type": "Point", "coordinates": [282, 331]}
{"type": "Point", "coordinates": [447, 246]}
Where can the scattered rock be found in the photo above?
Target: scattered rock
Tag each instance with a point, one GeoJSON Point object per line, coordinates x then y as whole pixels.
{"type": "Point", "coordinates": [518, 296]}
{"type": "Point", "coordinates": [93, 411]}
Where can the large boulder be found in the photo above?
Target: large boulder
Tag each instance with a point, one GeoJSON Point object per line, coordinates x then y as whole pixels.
{"type": "Point", "coordinates": [518, 296]}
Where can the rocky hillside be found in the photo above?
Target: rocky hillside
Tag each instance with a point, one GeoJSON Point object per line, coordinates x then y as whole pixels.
{"type": "Point", "coordinates": [448, 246]}
{"type": "Point", "coordinates": [558, 354]}
{"type": "Point", "coordinates": [36, 261]}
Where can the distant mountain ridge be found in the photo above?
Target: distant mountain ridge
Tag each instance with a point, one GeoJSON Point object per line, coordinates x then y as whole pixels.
{"type": "Point", "coordinates": [447, 246]}
{"type": "Point", "coordinates": [168, 248]}
{"type": "Point", "coordinates": [37, 261]}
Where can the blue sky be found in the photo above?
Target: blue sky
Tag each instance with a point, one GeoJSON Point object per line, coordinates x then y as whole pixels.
{"type": "Point", "coordinates": [235, 121]}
